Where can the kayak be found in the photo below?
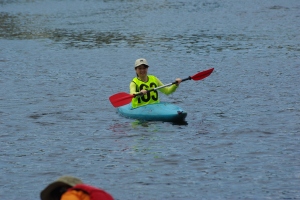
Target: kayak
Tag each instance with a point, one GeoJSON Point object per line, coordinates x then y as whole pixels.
{"type": "Point", "coordinates": [163, 111]}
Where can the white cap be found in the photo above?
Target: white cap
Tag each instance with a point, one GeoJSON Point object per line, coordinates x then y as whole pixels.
{"type": "Point", "coordinates": [140, 61]}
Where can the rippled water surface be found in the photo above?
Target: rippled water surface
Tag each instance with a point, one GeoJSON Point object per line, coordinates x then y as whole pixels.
{"type": "Point", "coordinates": [61, 60]}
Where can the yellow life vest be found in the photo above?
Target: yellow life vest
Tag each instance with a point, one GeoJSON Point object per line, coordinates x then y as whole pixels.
{"type": "Point", "coordinates": [149, 98]}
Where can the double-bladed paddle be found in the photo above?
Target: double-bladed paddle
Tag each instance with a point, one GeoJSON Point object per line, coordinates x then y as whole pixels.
{"type": "Point", "coordinates": [122, 98]}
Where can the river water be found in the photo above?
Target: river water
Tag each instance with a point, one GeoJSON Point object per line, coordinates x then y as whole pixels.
{"type": "Point", "coordinates": [61, 60]}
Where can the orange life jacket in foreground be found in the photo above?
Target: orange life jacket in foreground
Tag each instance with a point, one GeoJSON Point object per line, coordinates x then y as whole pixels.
{"type": "Point", "coordinates": [94, 193]}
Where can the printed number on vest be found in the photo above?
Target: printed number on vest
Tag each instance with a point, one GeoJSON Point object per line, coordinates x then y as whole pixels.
{"type": "Point", "coordinates": [147, 97]}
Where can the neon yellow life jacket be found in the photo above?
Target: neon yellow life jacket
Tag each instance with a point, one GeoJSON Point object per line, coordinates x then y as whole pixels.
{"type": "Point", "coordinates": [149, 98]}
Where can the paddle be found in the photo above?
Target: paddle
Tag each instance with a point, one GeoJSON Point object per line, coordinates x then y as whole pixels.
{"type": "Point", "coordinates": [122, 98]}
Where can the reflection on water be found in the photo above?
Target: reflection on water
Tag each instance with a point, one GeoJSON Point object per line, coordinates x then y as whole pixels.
{"type": "Point", "coordinates": [137, 123]}
{"type": "Point", "coordinates": [20, 27]}
{"type": "Point", "coordinates": [34, 26]}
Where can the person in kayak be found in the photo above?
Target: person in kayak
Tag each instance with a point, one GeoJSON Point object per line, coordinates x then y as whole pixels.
{"type": "Point", "coordinates": [143, 82]}
{"type": "Point", "coordinates": [72, 188]}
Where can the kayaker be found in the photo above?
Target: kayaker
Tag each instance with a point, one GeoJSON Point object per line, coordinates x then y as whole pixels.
{"type": "Point", "coordinates": [72, 188]}
{"type": "Point", "coordinates": [143, 81]}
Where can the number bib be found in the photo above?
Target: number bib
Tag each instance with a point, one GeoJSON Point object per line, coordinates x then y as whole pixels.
{"type": "Point", "coordinates": [149, 98]}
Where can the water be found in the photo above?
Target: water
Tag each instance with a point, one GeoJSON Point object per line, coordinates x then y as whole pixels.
{"type": "Point", "coordinates": [61, 60]}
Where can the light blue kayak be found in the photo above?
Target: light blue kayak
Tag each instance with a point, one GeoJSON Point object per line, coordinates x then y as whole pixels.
{"type": "Point", "coordinates": [163, 111]}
